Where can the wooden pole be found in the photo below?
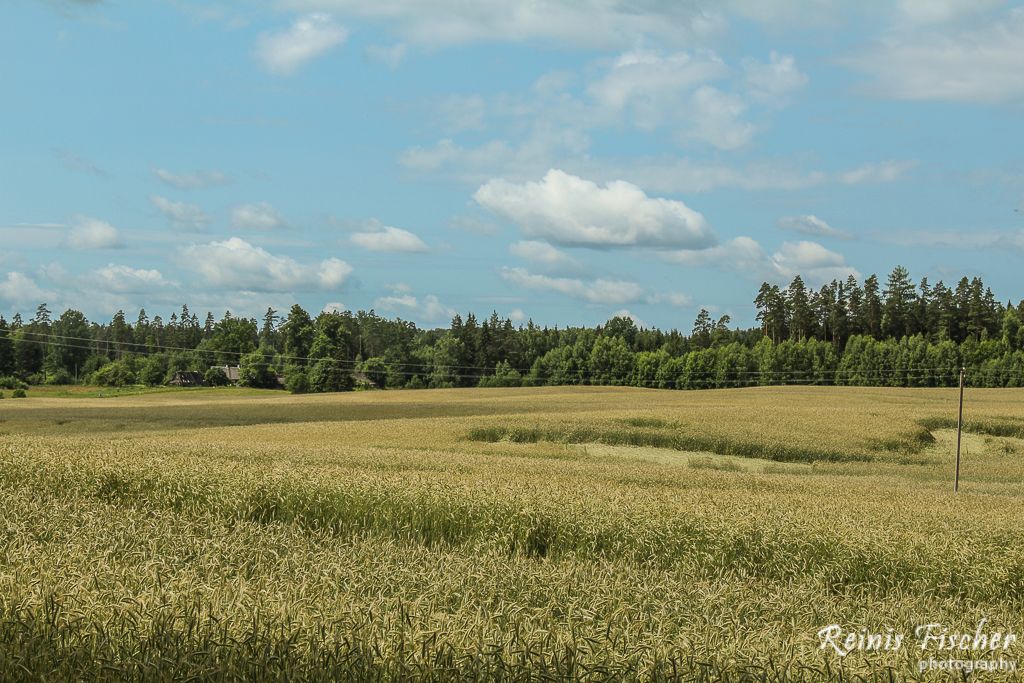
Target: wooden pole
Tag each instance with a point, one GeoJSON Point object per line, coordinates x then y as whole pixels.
{"type": "Point", "coordinates": [959, 431]}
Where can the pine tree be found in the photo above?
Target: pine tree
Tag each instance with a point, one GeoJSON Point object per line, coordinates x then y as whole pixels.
{"type": "Point", "coordinates": [763, 303]}
{"type": "Point", "coordinates": [141, 327]}
{"type": "Point", "coordinates": [838, 318]}
{"type": "Point", "coordinates": [962, 299]}
{"type": "Point", "coordinates": [899, 306]}
{"type": "Point", "coordinates": [801, 316]}
{"type": "Point", "coordinates": [42, 319]}
{"type": "Point", "coordinates": [872, 311]}
{"type": "Point", "coordinates": [854, 307]}
{"type": "Point", "coordinates": [924, 324]}
{"type": "Point", "coordinates": [942, 312]}
{"type": "Point", "coordinates": [702, 328]}
{"type": "Point", "coordinates": [120, 334]}
{"type": "Point", "coordinates": [268, 333]}
{"type": "Point", "coordinates": [297, 334]}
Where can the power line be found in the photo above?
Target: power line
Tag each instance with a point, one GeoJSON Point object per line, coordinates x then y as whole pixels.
{"type": "Point", "coordinates": [588, 376]}
{"type": "Point", "coordinates": [148, 349]}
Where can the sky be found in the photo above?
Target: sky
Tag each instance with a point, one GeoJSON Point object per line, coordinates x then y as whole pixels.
{"type": "Point", "coordinates": [549, 160]}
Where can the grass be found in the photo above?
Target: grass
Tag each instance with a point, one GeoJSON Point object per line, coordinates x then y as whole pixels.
{"type": "Point", "coordinates": [86, 391]}
{"type": "Point", "coordinates": [527, 534]}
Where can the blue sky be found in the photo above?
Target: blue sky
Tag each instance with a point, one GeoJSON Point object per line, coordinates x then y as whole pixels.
{"type": "Point", "coordinates": [564, 161]}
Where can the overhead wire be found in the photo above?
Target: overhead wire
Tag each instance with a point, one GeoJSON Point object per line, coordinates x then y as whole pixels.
{"type": "Point", "coordinates": [711, 377]}
{"type": "Point", "coordinates": [149, 349]}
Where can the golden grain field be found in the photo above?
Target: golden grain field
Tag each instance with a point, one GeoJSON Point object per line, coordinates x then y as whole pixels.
{"type": "Point", "coordinates": [578, 533]}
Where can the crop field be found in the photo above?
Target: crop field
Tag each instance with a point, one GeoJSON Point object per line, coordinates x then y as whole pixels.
{"type": "Point", "coordinates": [577, 533]}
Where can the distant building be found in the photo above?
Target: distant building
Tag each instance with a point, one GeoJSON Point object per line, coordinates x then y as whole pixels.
{"type": "Point", "coordinates": [230, 371]}
{"type": "Point", "coordinates": [187, 378]}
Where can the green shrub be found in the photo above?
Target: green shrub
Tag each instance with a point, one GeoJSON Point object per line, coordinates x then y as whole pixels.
{"type": "Point", "coordinates": [60, 376]}
{"type": "Point", "coordinates": [153, 370]}
{"type": "Point", "coordinates": [94, 363]}
{"type": "Point", "coordinates": [256, 369]}
{"type": "Point", "coordinates": [19, 393]}
{"type": "Point", "coordinates": [115, 374]}
{"type": "Point", "coordinates": [296, 380]}
{"type": "Point", "coordinates": [215, 377]}
{"type": "Point", "coordinates": [329, 375]}
{"type": "Point", "coordinates": [504, 376]}
{"type": "Point", "coordinates": [376, 370]}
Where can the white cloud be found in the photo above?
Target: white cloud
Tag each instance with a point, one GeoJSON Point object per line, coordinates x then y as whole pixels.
{"type": "Point", "coordinates": [880, 172]}
{"type": "Point", "coordinates": [190, 181]}
{"type": "Point", "coordinates": [810, 225]}
{"type": "Point", "coordinates": [19, 290]}
{"type": "Point", "coordinates": [236, 264]}
{"type": "Point", "coordinates": [544, 255]}
{"type": "Point", "coordinates": [787, 13]}
{"type": "Point", "coordinates": [390, 56]}
{"type": "Point", "coordinates": [568, 210]}
{"type": "Point", "coordinates": [677, 299]}
{"type": "Point", "coordinates": [92, 233]}
{"type": "Point", "coordinates": [654, 90]}
{"type": "Point", "coordinates": [651, 84]}
{"type": "Point", "coordinates": [773, 82]}
{"type": "Point", "coordinates": [694, 95]}
{"type": "Point", "coordinates": [308, 38]}
{"type": "Point", "coordinates": [956, 239]}
{"type": "Point", "coordinates": [588, 23]}
{"type": "Point", "coordinates": [76, 162]}
{"type": "Point", "coordinates": [517, 316]}
{"type": "Point", "coordinates": [125, 279]}
{"type": "Point", "coordinates": [716, 119]}
{"type": "Point", "coordinates": [180, 214]}
{"type": "Point", "coordinates": [388, 238]}
{"type": "Point", "coordinates": [742, 254]}
{"type": "Point", "coordinates": [940, 11]}
{"type": "Point", "coordinates": [813, 262]}
{"type": "Point", "coordinates": [462, 112]}
{"type": "Point", "coordinates": [260, 216]}
{"type": "Point", "coordinates": [810, 260]}
{"type": "Point", "coordinates": [335, 307]}
{"type": "Point", "coordinates": [523, 160]}
{"type": "Point", "coordinates": [601, 291]}
{"type": "Point", "coordinates": [958, 64]}
{"type": "Point", "coordinates": [332, 273]}
{"type": "Point", "coordinates": [429, 309]}
{"type": "Point", "coordinates": [668, 174]}
{"type": "Point", "coordinates": [473, 224]}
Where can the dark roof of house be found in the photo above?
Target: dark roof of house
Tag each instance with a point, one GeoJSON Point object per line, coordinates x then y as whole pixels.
{"type": "Point", "coordinates": [231, 371]}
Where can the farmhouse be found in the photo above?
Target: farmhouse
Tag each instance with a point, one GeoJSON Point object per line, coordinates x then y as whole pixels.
{"type": "Point", "coordinates": [230, 371]}
{"type": "Point", "coordinates": [187, 378]}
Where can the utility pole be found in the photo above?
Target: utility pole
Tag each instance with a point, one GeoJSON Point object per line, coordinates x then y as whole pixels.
{"type": "Point", "coordinates": [959, 431]}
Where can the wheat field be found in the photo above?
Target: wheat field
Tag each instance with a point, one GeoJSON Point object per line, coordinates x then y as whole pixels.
{"type": "Point", "coordinates": [576, 533]}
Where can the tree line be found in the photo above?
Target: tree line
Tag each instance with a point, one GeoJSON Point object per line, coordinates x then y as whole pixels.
{"type": "Point", "coordinates": [845, 333]}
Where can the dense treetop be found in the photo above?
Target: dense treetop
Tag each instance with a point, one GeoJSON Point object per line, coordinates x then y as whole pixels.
{"type": "Point", "coordinates": [846, 332]}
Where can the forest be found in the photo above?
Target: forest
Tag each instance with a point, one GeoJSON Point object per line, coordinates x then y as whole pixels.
{"type": "Point", "coordinates": [845, 333]}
